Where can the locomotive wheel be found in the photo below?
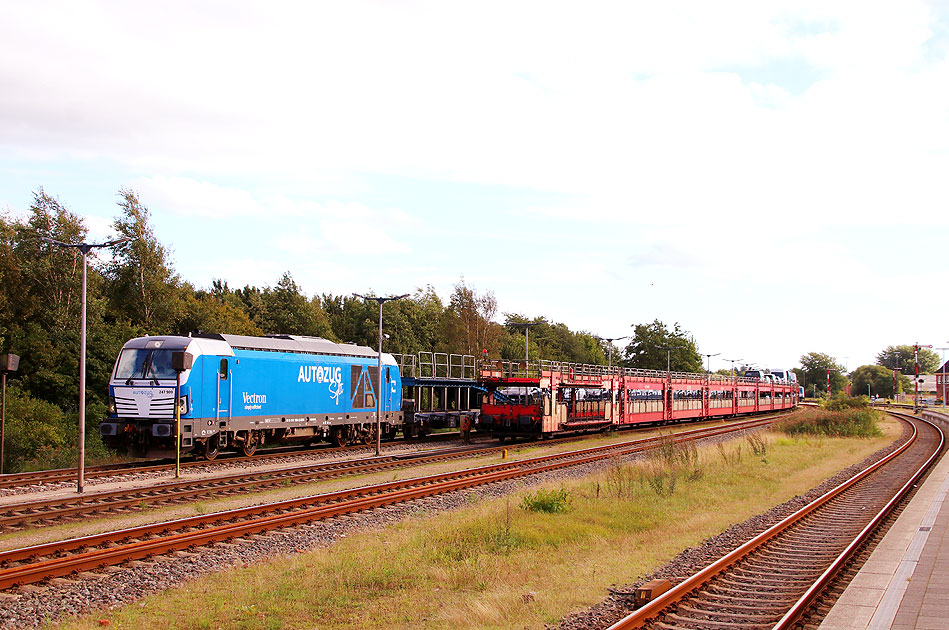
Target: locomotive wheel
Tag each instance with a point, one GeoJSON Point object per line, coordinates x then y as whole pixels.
{"type": "Point", "coordinates": [211, 449]}
{"type": "Point", "coordinates": [339, 437]}
{"type": "Point", "coordinates": [249, 445]}
{"type": "Point", "coordinates": [368, 436]}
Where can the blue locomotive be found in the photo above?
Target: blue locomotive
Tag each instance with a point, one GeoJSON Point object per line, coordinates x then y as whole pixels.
{"type": "Point", "coordinates": [243, 391]}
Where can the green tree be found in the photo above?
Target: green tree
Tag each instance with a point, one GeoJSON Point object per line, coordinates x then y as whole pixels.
{"type": "Point", "coordinates": [879, 379]}
{"type": "Point", "coordinates": [467, 323]}
{"type": "Point", "coordinates": [286, 310]}
{"type": "Point", "coordinates": [814, 373]}
{"type": "Point", "coordinates": [902, 358]}
{"type": "Point", "coordinates": [40, 301]}
{"type": "Point", "coordinates": [647, 350]}
{"type": "Point", "coordinates": [213, 313]}
{"type": "Point", "coordinates": [143, 287]}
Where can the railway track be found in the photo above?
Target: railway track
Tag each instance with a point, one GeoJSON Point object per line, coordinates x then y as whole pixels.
{"type": "Point", "coordinates": [40, 562]}
{"type": "Point", "coordinates": [22, 514]}
{"type": "Point", "coordinates": [770, 581]}
{"type": "Point", "coordinates": [274, 455]}
{"type": "Point", "coordinates": [16, 516]}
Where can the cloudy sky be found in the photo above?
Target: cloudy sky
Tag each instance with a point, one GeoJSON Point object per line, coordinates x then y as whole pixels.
{"type": "Point", "coordinates": [771, 175]}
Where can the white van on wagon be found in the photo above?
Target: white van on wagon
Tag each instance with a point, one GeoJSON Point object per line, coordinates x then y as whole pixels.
{"type": "Point", "coordinates": [784, 376]}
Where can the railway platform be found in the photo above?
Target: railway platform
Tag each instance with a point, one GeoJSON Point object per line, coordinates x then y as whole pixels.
{"type": "Point", "coordinates": [905, 583]}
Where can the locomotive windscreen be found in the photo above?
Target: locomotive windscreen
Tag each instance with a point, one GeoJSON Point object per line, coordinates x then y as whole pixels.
{"type": "Point", "coordinates": [144, 363]}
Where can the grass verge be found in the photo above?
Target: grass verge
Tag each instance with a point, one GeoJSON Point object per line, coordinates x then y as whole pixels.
{"type": "Point", "coordinates": [495, 564]}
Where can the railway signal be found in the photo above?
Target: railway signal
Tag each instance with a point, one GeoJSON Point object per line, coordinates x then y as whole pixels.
{"type": "Point", "coordinates": [829, 370]}
{"type": "Point", "coordinates": [916, 348]}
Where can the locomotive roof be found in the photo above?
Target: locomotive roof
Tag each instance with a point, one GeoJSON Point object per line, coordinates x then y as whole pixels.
{"type": "Point", "coordinates": [293, 343]}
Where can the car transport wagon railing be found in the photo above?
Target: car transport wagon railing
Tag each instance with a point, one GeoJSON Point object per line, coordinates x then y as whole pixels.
{"type": "Point", "coordinates": [437, 365]}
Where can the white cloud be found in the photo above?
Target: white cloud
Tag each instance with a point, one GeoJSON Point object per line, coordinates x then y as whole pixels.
{"type": "Point", "coordinates": [668, 128]}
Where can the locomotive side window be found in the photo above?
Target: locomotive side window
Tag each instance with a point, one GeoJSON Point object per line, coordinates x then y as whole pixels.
{"type": "Point", "coordinates": [223, 369]}
{"type": "Point", "coordinates": [372, 377]}
{"type": "Point", "coordinates": [361, 384]}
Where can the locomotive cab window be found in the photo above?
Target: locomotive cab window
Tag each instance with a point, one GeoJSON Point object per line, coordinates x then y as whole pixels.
{"type": "Point", "coordinates": [144, 364]}
{"type": "Point", "coordinates": [223, 369]}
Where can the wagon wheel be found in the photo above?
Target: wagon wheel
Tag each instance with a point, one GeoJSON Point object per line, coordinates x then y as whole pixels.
{"type": "Point", "coordinates": [249, 445]}
{"type": "Point", "coordinates": [339, 437]}
{"type": "Point", "coordinates": [368, 435]}
{"type": "Point", "coordinates": [211, 449]}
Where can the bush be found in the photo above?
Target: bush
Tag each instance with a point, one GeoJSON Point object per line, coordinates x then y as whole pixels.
{"type": "Point", "coordinates": [35, 431]}
{"type": "Point", "coordinates": [550, 501]}
{"type": "Point", "coordinates": [842, 402]}
{"type": "Point", "coordinates": [854, 422]}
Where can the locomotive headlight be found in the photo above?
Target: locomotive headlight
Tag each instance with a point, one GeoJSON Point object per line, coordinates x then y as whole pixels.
{"type": "Point", "coordinates": [183, 405]}
{"type": "Point", "coordinates": [112, 405]}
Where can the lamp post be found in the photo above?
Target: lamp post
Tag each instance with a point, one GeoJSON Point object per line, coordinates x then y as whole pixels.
{"type": "Point", "coordinates": [733, 365]}
{"type": "Point", "coordinates": [380, 301]}
{"type": "Point", "coordinates": [527, 335]}
{"type": "Point", "coordinates": [708, 361]}
{"type": "Point", "coordinates": [610, 341]}
{"type": "Point", "coordinates": [668, 350]}
{"type": "Point", "coordinates": [85, 248]}
{"type": "Point", "coordinates": [8, 364]}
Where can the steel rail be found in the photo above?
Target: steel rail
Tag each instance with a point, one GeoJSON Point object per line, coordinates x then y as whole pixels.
{"type": "Point", "coordinates": [12, 514]}
{"type": "Point", "coordinates": [19, 480]}
{"type": "Point", "coordinates": [20, 513]}
{"type": "Point", "coordinates": [658, 605]}
{"type": "Point", "coordinates": [292, 512]}
{"type": "Point", "coordinates": [808, 598]}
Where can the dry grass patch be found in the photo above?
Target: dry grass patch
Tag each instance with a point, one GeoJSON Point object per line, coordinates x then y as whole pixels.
{"type": "Point", "coordinates": [496, 565]}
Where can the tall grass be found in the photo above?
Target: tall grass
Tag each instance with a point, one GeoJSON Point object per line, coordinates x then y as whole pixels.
{"type": "Point", "coordinates": [549, 501]}
{"type": "Point", "coordinates": [852, 422]}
